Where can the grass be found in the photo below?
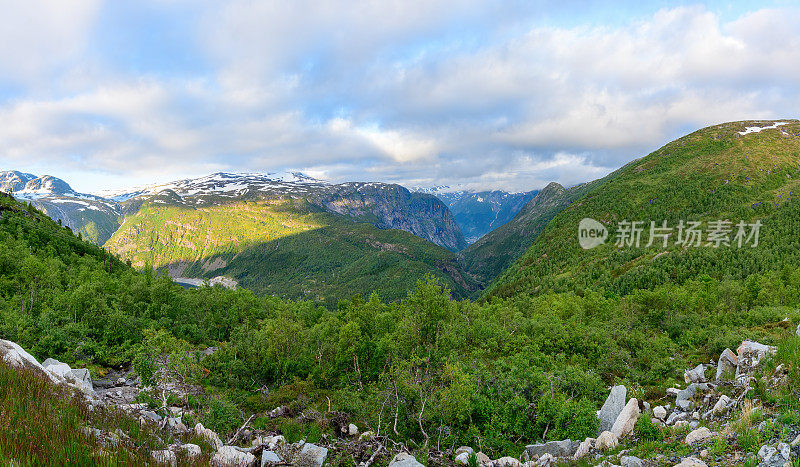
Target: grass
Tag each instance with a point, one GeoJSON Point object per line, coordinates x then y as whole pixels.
{"type": "Point", "coordinates": [46, 424]}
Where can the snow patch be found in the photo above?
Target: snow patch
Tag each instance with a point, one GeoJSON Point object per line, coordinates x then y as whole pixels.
{"type": "Point", "coordinates": [758, 129]}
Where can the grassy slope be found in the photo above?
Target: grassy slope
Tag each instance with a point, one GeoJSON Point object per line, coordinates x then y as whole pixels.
{"type": "Point", "coordinates": [284, 248]}
{"type": "Point", "coordinates": [713, 173]}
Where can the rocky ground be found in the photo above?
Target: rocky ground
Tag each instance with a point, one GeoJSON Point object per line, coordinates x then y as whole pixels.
{"type": "Point", "coordinates": [702, 419]}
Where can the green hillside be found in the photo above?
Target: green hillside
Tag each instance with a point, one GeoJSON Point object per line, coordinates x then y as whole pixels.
{"type": "Point", "coordinates": [715, 173]}
{"type": "Point", "coordinates": [281, 247]}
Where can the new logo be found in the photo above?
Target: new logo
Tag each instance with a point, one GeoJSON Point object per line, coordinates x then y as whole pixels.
{"type": "Point", "coordinates": [591, 233]}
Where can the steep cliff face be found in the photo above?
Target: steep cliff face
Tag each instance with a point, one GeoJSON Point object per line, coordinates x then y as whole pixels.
{"type": "Point", "coordinates": [389, 206]}
{"type": "Point", "coordinates": [478, 213]}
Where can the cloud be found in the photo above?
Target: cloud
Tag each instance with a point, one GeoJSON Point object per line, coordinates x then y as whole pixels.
{"type": "Point", "coordinates": [461, 93]}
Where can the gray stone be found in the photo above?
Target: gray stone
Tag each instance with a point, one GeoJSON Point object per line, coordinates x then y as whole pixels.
{"type": "Point", "coordinates": [626, 419]}
{"type": "Point", "coordinates": [698, 436]}
{"type": "Point", "coordinates": [210, 436]}
{"type": "Point", "coordinates": [660, 412]}
{"type": "Point", "coordinates": [352, 430]}
{"type": "Point", "coordinates": [229, 456]}
{"type": "Point", "coordinates": [193, 451]}
{"type": "Point", "coordinates": [727, 361]}
{"type": "Point", "coordinates": [507, 462]}
{"type": "Point", "coordinates": [631, 461]}
{"type": "Point", "coordinates": [722, 405]}
{"type": "Point", "coordinates": [750, 355]}
{"type": "Point", "coordinates": [612, 407]}
{"type": "Point", "coordinates": [311, 456]}
{"type": "Point", "coordinates": [565, 448]}
{"type": "Point", "coordinates": [766, 451]}
{"type": "Point", "coordinates": [584, 448]}
{"type": "Point", "coordinates": [403, 459]}
{"type": "Point", "coordinates": [270, 458]}
{"type": "Point", "coordinates": [772, 457]}
{"type": "Point", "coordinates": [606, 441]}
{"type": "Point", "coordinates": [691, 462]}
{"type": "Point", "coordinates": [150, 416]}
{"type": "Point", "coordinates": [688, 393]}
{"type": "Point", "coordinates": [695, 375]}
{"type": "Point", "coordinates": [164, 457]}
{"type": "Point", "coordinates": [462, 458]}
{"type": "Point", "coordinates": [463, 449]}
{"type": "Point", "coordinates": [546, 460]}
{"type": "Point", "coordinates": [676, 416]}
{"type": "Point", "coordinates": [798, 330]}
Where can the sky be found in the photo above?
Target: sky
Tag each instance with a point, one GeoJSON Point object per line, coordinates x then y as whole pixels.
{"type": "Point", "coordinates": [475, 95]}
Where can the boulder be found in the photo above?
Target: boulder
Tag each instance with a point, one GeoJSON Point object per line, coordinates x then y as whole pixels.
{"type": "Point", "coordinates": [606, 441]}
{"type": "Point", "coordinates": [311, 456]}
{"type": "Point", "coordinates": [676, 417]}
{"type": "Point", "coordinates": [464, 449]}
{"type": "Point", "coordinates": [660, 412]}
{"type": "Point", "coordinates": [192, 451]}
{"type": "Point", "coordinates": [352, 430]}
{"type": "Point", "coordinates": [695, 375]}
{"type": "Point", "coordinates": [546, 460]}
{"type": "Point", "coordinates": [631, 461]}
{"type": "Point", "coordinates": [176, 424]}
{"type": "Point", "coordinates": [482, 458]}
{"type": "Point", "coordinates": [208, 435]}
{"type": "Point", "coordinates": [722, 405]}
{"type": "Point", "coordinates": [750, 355]}
{"type": "Point", "coordinates": [612, 407]}
{"type": "Point", "coordinates": [686, 395]}
{"type": "Point", "coordinates": [507, 462]}
{"type": "Point", "coordinates": [78, 378]}
{"type": "Point", "coordinates": [772, 457]}
{"type": "Point", "coordinates": [728, 361]}
{"type": "Point", "coordinates": [15, 355]}
{"type": "Point", "coordinates": [691, 462]}
{"type": "Point", "coordinates": [404, 459]}
{"type": "Point", "coordinates": [626, 419]}
{"type": "Point", "coordinates": [584, 448]}
{"type": "Point", "coordinates": [229, 456]}
{"type": "Point", "coordinates": [270, 458]}
{"type": "Point", "coordinates": [165, 457]}
{"type": "Point", "coordinates": [699, 435]}
{"type": "Point", "coordinates": [462, 458]}
{"type": "Point", "coordinates": [565, 448]}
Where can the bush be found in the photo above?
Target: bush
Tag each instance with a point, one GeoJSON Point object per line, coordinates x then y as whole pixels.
{"type": "Point", "coordinates": [646, 430]}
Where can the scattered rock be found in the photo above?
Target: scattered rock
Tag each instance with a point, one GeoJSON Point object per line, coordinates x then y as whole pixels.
{"type": "Point", "coordinates": [631, 461]}
{"type": "Point", "coordinates": [612, 407]}
{"type": "Point", "coordinates": [15, 355]}
{"type": "Point", "coordinates": [606, 441]}
{"type": "Point", "coordinates": [352, 430]}
{"type": "Point", "coordinates": [584, 448]}
{"type": "Point", "coordinates": [565, 448]}
{"type": "Point", "coordinates": [229, 456]}
{"type": "Point", "coordinates": [727, 361]}
{"type": "Point", "coordinates": [698, 435]}
{"type": "Point", "coordinates": [482, 459]}
{"type": "Point", "coordinates": [165, 457]}
{"type": "Point", "coordinates": [660, 412]}
{"type": "Point", "coordinates": [772, 457]}
{"type": "Point", "coordinates": [546, 460]}
{"type": "Point", "coordinates": [676, 417]}
{"type": "Point", "coordinates": [464, 449]}
{"type": "Point", "coordinates": [270, 458]}
{"type": "Point", "coordinates": [193, 451]}
{"type": "Point", "coordinates": [462, 458]}
{"type": "Point", "coordinates": [208, 435]}
{"type": "Point", "coordinates": [404, 459]}
{"type": "Point", "coordinates": [508, 462]}
{"type": "Point", "coordinates": [626, 419]}
{"type": "Point", "coordinates": [750, 355]}
{"type": "Point", "coordinates": [722, 405]}
{"type": "Point", "coordinates": [796, 441]}
{"type": "Point", "coordinates": [695, 375]}
{"type": "Point", "coordinates": [314, 456]}
{"type": "Point", "coordinates": [691, 462]}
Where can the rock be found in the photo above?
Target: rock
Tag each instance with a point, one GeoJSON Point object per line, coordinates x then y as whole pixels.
{"type": "Point", "coordinates": [546, 460]}
{"type": "Point", "coordinates": [464, 449]}
{"type": "Point", "coordinates": [681, 424]}
{"type": "Point", "coordinates": [626, 419]}
{"type": "Point", "coordinates": [15, 355]}
{"type": "Point", "coordinates": [660, 412]}
{"type": "Point", "coordinates": [750, 355]}
{"type": "Point", "coordinates": [673, 391]}
{"type": "Point", "coordinates": [695, 415]}
{"type": "Point", "coordinates": [208, 435]}
{"type": "Point", "coordinates": [507, 462]}
{"type": "Point", "coordinates": [704, 453]}
{"type": "Point", "coordinates": [462, 458]}
{"type": "Point", "coordinates": [565, 448]}
{"type": "Point", "coordinates": [612, 407]}
{"type": "Point", "coordinates": [229, 456]}
{"type": "Point", "coordinates": [193, 451]}
{"type": "Point", "coordinates": [312, 456]}
{"type": "Point", "coordinates": [270, 458]}
{"type": "Point", "coordinates": [366, 436]}
{"type": "Point", "coordinates": [606, 441]}
{"type": "Point", "coordinates": [722, 405]}
{"type": "Point", "coordinates": [772, 457]}
{"type": "Point", "coordinates": [676, 416]}
{"type": "Point", "coordinates": [175, 424]}
{"type": "Point", "coordinates": [150, 416]}
{"type": "Point", "coordinates": [352, 430]}
{"type": "Point", "coordinates": [278, 412]}
{"type": "Point", "coordinates": [796, 441]}
{"type": "Point", "coordinates": [165, 457]}
{"type": "Point", "coordinates": [482, 458]}
{"type": "Point", "coordinates": [687, 394]}
{"type": "Point", "coordinates": [766, 451]}
{"type": "Point", "coordinates": [727, 361]}
{"type": "Point", "coordinates": [798, 330]}
{"type": "Point", "coordinates": [695, 375]}
{"type": "Point", "coordinates": [584, 448]}
{"type": "Point", "coordinates": [79, 378]}
{"type": "Point", "coordinates": [699, 435]}
{"type": "Point", "coordinates": [404, 459]}
{"type": "Point", "coordinates": [631, 461]}
{"type": "Point", "coordinates": [691, 462]}
{"type": "Point", "coordinates": [685, 405]}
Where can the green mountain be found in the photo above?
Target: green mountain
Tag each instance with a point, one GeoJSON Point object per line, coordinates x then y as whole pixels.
{"type": "Point", "coordinates": [742, 171]}
{"type": "Point", "coordinates": [283, 247]}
